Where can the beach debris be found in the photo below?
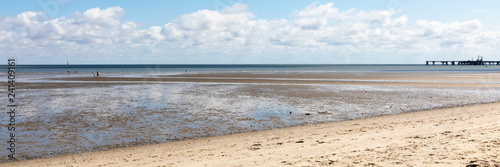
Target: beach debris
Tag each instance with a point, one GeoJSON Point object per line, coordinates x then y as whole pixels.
{"type": "Point", "coordinates": [255, 147]}
{"type": "Point", "coordinates": [325, 162]}
{"type": "Point", "coordinates": [300, 141]}
{"type": "Point", "coordinates": [477, 163]}
{"type": "Point", "coordinates": [308, 114]}
{"type": "Point", "coordinates": [287, 163]}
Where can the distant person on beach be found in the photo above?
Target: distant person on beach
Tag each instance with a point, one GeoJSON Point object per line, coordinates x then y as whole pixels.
{"type": "Point", "coordinates": [76, 71]}
{"type": "Point", "coordinates": [93, 73]}
{"type": "Point", "coordinates": [98, 74]}
{"type": "Point", "coordinates": [69, 71]}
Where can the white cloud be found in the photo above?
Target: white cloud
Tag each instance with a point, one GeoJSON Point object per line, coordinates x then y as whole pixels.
{"type": "Point", "coordinates": [155, 33]}
{"type": "Point", "coordinates": [457, 35]}
{"type": "Point", "coordinates": [319, 33]}
{"type": "Point", "coordinates": [107, 17]}
{"type": "Point", "coordinates": [315, 16]}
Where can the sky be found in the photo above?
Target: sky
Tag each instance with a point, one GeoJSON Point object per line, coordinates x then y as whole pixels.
{"type": "Point", "coordinates": [248, 32]}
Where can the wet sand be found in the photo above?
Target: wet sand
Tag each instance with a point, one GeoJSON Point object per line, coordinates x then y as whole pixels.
{"type": "Point", "coordinates": [454, 136]}
{"type": "Point", "coordinates": [332, 78]}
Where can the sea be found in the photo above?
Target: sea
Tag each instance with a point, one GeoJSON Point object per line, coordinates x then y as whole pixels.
{"type": "Point", "coordinates": [166, 68]}
{"type": "Point", "coordinates": [66, 120]}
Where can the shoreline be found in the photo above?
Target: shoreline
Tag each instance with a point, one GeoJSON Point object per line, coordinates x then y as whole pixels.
{"type": "Point", "coordinates": [145, 142]}
{"type": "Point", "coordinates": [139, 111]}
{"type": "Point", "coordinates": [451, 137]}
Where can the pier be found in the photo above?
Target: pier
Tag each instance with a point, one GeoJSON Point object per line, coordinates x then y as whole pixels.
{"type": "Point", "coordinates": [477, 62]}
{"type": "Point", "coordinates": [468, 62]}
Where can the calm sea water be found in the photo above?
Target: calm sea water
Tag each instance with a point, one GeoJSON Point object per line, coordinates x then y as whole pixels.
{"type": "Point", "coordinates": [151, 68]}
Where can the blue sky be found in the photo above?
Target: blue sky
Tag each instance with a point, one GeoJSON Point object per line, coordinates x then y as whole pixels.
{"type": "Point", "coordinates": [247, 32]}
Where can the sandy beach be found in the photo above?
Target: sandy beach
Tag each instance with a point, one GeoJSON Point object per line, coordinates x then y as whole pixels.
{"type": "Point", "coordinates": [263, 119]}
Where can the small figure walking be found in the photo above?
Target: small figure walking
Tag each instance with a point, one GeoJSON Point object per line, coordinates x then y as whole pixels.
{"type": "Point", "coordinates": [69, 71]}
{"type": "Point", "coordinates": [93, 73]}
{"type": "Point", "coordinates": [98, 74]}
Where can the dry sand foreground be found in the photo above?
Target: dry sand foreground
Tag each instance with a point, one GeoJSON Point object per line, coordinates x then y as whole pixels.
{"type": "Point", "coordinates": [445, 137]}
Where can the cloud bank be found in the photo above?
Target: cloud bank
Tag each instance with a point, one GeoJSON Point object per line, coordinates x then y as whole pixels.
{"type": "Point", "coordinates": [319, 33]}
